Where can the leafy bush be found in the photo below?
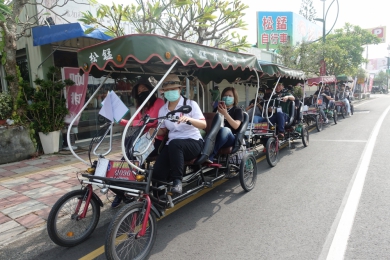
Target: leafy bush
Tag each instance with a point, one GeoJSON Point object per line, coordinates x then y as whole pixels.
{"type": "Point", "coordinates": [5, 105]}
{"type": "Point", "coordinates": [46, 105]}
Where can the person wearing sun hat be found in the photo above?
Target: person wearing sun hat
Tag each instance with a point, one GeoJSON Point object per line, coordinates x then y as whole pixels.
{"type": "Point", "coordinates": [184, 140]}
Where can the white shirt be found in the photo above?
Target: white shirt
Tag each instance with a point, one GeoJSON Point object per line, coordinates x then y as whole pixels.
{"type": "Point", "coordinates": [182, 130]}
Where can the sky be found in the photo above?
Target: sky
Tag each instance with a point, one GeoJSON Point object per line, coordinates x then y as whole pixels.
{"type": "Point", "coordinates": [367, 14]}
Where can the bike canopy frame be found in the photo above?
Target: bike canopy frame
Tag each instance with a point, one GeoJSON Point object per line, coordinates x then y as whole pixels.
{"type": "Point", "coordinates": [153, 55]}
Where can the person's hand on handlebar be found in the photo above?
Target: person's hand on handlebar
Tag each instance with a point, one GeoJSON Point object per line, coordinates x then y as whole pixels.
{"type": "Point", "coordinates": [184, 119]}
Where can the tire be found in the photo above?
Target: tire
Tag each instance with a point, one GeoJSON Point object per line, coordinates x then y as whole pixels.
{"type": "Point", "coordinates": [319, 122]}
{"type": "Point", "coordinates": [335, 116]}
{"type": "Point", "coordinates": [351, 109]}
{"type": "Point", "coordinates": [305, 136]}
{"type": "Point", "coordinates": [61, 224]}
{"type": "Point", "coordinates": [272, 151]}
{"type": "Point", "coordinates": [118, 236]}
{"type": "Point", "coordinates": [248, 172]}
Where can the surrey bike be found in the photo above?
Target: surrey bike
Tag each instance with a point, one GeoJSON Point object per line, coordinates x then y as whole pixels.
{"type": "Point", "coordinates": [266, 133]}
{"type": "Point", "coordinates": [150, 201]}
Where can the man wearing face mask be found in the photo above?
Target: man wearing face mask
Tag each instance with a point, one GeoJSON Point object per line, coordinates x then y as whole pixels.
{"type": "Point", "coordinates": [280, 118]}
{"type": "Point", "coordinates": [258, 106]}
{"type": "Point", "coordinates": [184, 140]}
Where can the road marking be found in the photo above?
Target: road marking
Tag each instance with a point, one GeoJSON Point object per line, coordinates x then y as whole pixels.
{"type": "Point", "coordinates": [361, 112]}
{"type": "Point", "coordinates": [344, 223]}
{"type": "Point", "coordinates": [347, 141]}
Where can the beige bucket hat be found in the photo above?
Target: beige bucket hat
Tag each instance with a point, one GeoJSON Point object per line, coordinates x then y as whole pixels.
{"type": "Point", "coordinates": [171, 81]}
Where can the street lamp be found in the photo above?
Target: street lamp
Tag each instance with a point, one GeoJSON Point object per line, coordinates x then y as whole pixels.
{"type": "Point", "coordinates": [322, 21]}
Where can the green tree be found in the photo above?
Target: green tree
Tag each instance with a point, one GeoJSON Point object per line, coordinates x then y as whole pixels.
{"type": "Point", "coordinates": [307, 10]}
{"type": "Point", "coordinates": [13, 27]}
{"type": "Point", "coordinates": [342, 51]}
{"type": "Point", "coordinates": [381, 79]}
{"type": "Point", "coordinates": [209, 22]}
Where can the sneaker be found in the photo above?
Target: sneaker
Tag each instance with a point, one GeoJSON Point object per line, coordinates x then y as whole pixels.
{"type": "Point", "coordinates": [177, 187]}
{"type": "Point", "coordinates": [349, 114]}
{"type": "Point", "coordinates": [117, 201]}
{"type": "Point", "coordinates": [281, 135]}
{"type": "Point", "coordinates": [326, 121]}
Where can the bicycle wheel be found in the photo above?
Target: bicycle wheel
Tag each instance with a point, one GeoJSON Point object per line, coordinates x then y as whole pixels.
{"type": "Point", "coordinates": [272, 152]}
{"type": "Point", "coordinates": [305, 136]}
{"type": "Point", "coordinates": [121, 239]}
{"type": "Point", "coordinates": [343, 112]}
{"type": "Point", "coordinates": [351, 109]}
{"type": "Point", "coordinates": [63, 225]}
{"type": "Point", "coordinates": [248, 172]}
{"type": "Point", "coordinates": [319, 121]}
{"type": "Point", "coordinates": [335, 116]}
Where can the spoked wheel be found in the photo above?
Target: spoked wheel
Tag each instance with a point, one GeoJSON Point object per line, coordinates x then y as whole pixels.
{"type": "Point", "coordinates": [319, 121]}
{"type": "Point", "coordinates": [305, 136]}
{"type": "Point", "coordinates": [122, 241]}
{"type": "Point", "coordinates": [351, 109]}
{"type": "Point", "coordinates": [63, 224]}
{"type": "Point", "coordinates": [335, 116]}
{"type": "Point", "coordinates": [272, 151]}
{"type": "Point", "coordinates": [248, 172]}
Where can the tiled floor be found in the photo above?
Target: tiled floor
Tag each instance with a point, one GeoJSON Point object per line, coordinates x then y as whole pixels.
{"type": "Point", "coordinates": [28, 189]}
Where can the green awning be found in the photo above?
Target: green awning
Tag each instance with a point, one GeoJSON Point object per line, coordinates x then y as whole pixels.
{"type": "Point", "coordinates": [146, 54]}
{"type": "Point", "coordinates": [276, 70]}
{"type": "Point", "coordinates": [344, 78]}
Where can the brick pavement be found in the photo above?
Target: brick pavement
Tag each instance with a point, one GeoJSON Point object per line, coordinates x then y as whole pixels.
{"type": "Point", "coordinates": [29, 188]}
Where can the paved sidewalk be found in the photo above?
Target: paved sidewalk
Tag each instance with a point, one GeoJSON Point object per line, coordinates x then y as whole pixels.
{"type": "Point", "coordinates": [29, 188]}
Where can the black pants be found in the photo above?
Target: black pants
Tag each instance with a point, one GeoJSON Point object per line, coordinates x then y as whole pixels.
{"type": "Point", "coordinates": [170, 163]}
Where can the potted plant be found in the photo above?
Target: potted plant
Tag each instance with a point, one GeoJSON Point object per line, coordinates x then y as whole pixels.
{"type": "Point", "coordinates": [47, 109]}
{"type": "Point", "coordinates": [5, 107]}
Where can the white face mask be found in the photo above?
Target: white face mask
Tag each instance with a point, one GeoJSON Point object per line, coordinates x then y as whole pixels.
{"type": "Point", "coordinates": [261, 95]}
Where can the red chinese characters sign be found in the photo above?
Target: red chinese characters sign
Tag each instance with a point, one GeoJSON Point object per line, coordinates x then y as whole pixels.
{"type": "Point", "coordinates": [75, 95]}
{"type": "Point", "coordinates": [271, 28]}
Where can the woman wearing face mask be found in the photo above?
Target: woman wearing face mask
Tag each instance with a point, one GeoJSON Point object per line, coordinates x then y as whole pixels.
{"type": "Point", "coordinates": [140, 92]}
{"type": "Point", "coordinates": [184, 140]}
{"type": "Point", "coordinates": [233, 117]}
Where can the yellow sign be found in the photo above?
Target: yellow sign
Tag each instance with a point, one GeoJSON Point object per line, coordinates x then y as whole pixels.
{"type": "Point", "coordinates": [380, 32]}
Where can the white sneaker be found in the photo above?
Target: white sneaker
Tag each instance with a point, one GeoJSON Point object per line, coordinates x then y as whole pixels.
{"type": "Point", "coordinates": [349, 114]}
{"type": "Point", "coordinates": [326, 121]}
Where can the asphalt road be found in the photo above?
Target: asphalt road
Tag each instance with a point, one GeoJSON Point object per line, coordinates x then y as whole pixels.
{"type": "Point", "coordinates": [301, 209]}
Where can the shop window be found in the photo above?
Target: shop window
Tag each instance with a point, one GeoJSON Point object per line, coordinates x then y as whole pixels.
{"type": "Point", "coordinates": [65, 59]}
{"type": "Point", "coordinates": [23, 67]}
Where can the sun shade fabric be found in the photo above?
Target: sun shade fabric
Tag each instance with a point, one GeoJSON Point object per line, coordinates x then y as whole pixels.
{"type": "Point", "coordinates": [323, 79]}
{"type": "Point", "coordinates": [344, 78]}
{"type": "Point", "coordinates": [56, 33]}
{"type": "Point", "coordinates": [276, 70]}
{"type": "Point", "coordinates": [132, 55]}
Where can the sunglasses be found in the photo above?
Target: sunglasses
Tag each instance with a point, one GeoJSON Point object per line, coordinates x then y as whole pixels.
{"type": "Point", "coordinates": [171, 83]}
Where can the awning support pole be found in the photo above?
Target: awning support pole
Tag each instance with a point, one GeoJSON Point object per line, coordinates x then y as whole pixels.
{"type": "Point", "coordinates": [51, 54]}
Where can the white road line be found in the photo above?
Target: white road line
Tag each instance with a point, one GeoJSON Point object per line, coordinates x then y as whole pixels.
{"type": "Point", "coordinates": [344, 224]}
{"type": "Point", "coordinates": [348, 141]}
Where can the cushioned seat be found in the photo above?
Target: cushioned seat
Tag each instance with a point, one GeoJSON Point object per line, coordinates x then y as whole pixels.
{"type": "Point", "coordinates": [291, 113]}
{"type": "Point", "coordinates": [213, 121]}
{"type": "Point", "coordinates": [239, 137]}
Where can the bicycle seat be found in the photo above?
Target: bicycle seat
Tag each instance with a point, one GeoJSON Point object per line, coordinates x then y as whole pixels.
{"type": "Point", "coordinates": [213, 121]}
{"type": "Point", "coordinates": [239, 137]}
{"type": "Point", "coordinates": [291, 113]}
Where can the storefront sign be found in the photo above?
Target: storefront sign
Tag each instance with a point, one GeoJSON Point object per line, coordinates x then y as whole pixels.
{"type": "Point", "coordinates": [75, 95]}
